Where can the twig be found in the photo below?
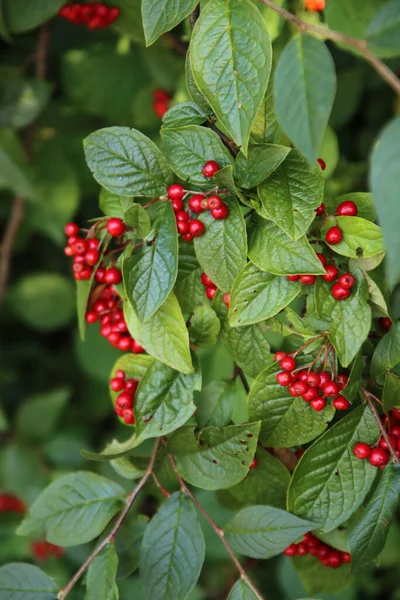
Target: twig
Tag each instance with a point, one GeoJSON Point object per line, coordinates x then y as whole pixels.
{"type": "Point", "coordinates": [162, 489]}
{"type": "Point", "coordinates": [175, 44]}
{"type": "Point", "coordinates": [131, 498]}
{"type": "Point", "coordinates": [218, 530]}
{"type": "Point", "coordinates": [230, 144]}
{"type": "Point", "coordinates": [238, 372]}
{"type": "Point", "coordinates": [370, 400]}
{"type": "Point", "coordinates": [361, 45]}
{"type": "Point", "coordinates": [194, 16]}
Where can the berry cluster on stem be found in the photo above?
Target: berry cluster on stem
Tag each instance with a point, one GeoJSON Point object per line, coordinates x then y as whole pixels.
{"type": "Point", "coordinates": [95, 16]}
{"type": "Point", "coordinates": [327, 555]}
{"type": "Point", "coordinates": [379, 454]}
{"type": "Point", "coordinates": [124, 402]}
{"type": "Point", "coordinates": [211, 289]}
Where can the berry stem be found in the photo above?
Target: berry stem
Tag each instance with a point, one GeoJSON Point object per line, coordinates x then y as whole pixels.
{"type": "Point", "coordinates": [322, 335]}
{"type": "Point", "coordinates": [238, 372]}
{"type": "Point", "coordinates": [162, 489]}
{"type": "Point", "coordinates": [218, 530]}
{"type": "Point", "coordinates": [110, 537]}
{"type": "Point", "coordinates": [370, 401]}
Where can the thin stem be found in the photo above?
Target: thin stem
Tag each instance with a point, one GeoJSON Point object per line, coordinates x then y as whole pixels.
{"type": "Point", "coordinates": [370, 401]}
{"type": "Point", "coordinates": [162, 489]}
{"type": "Point", "coordinates": [194, 16]}
{"type": "Point", "coordinates": [230, 144]}
{"type": "Point", "coordinates": [218, 530]}
{"type": "Point", "coordinates": [238, 372]}
{"type": "Point", "coordinates": [131, 498]}
{"type": "Point", "coordinates": [361, 45]}
{"type": "Point", "coordinates": [314, 339]}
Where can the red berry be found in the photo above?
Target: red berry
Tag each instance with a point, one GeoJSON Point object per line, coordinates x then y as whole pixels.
{"type": "Point", "coordinates": [183, 228]}
{"type": "Point", "coordinates": [196, 228]}
{"type": "Point", "coordinates": [206, 281]}
{"type": "Point", "coordinates": [310, 394]}
{"type": "Point", "coordinates": [68, 251]}
{"type": "Point", "coordinates": [331, 273]}
{"type": "Point", "coordinates": [288, 363]}
{"type": "Point", "coordinates": [347, 209]}
{"type": "Point", "coordinates": [71, 229]}
{"type": "Point", "coordinates": [342, 381]}
{"type": "Point", "coordinates": [339, 292]}
{"type": "Point", "coordinates": [323, 552]}
{"type": "Point", "coordinates": [187, 237]}
{"type": "Point", "coordinates": [92, 257]}
{"type": "Point", "coordinates": [80, 247]}
{"type": "Point", "coordinates": [302, 549]}
{"type": "Point", "coordinates": [307, 279]}
{"type": "Point", "coordinates": [137, 348]}
{"type": "Point", "coordinates": [115, 226]}
{"type": "Point", "coordinates": [99, 306]}
{"type": "Point", "coordinates": [321, 163]}
{"type": "Point", "coordinates": [131, 386]}
{"type": "Point", "coordinates": [395, 412]}
{"type": "Point", "coordinates": [124, 400]}
{"type": "Point", "coordinates": [113, 14]}
{"type": "Point", "coordinates": [320, 210]}
{"type": "Point", "coordinates": [113, 276]}
{"type": "Point", "coordinates": [378, 457]}
{"type": "Point", "coordinates": [318, 404]}
{"type": "Point", "coordinates": [385, 323]}
{"type": "Point", "coordinates": [177, 204]}
{"type": "Point", "coordinates": [210, 292]}
{"type": "Point", "coordinates": [313, 379]}
{"type": "Point", "coordinates": [395, 431]}
{"type": "Point", "coordinates": [175, 191]}
{"type": "Point", "coordinates": [341, 403]}
{"type": "Point", "coordinates": [362, 450]}
{"type": "Point", "coordinates": [279, 355]}
{"type": "Point", "coordinates": [100, 274]}
{"type": "Point", "coordinates": [330, 389]}
{"type": "Point", "coordinates": [253, 463]}
{"type": "Point", "coordinates": [284, 378]}
{"type": "Point", "coordinates": [346, 558]}
{"type": "Point", "coordinates": [125, 343]}
{"type": "Point", "coordinates": [214, 202]}
{"type": "Point", "coordinates": [128, 416]}
{"type": "Point", "coordinates": [120, 374]}
{"type": "Point", "coordinates": [298, 388]}
{"type": "Point", "coordinates": [334, 235]}
{"type": "Point", "coordinates": [91, 317]}
{"type": "Point", "coordinates": [195, 204]}
{"type": "Point", "coordinates": [227, 299]}
{"type": "Point", "coordinates": [293, 277]}
{"type": "Point", "coordinates": [220, 213]}
{"type": "Point", "coordinates": [182, 215]}
{"type": "Point", "coordinates": [210, 168]}
{"type": "Point", "coordinates": [93, 243]}
{"type": "Point", "coordinates": [302, 376]}
{"type": "Point", "coordinates": [335, 559]}
{"type": "Point", "coordinates": [117, 384]}
{"type": "Point", "coordinates": [291, 550]}
{"type": "Point", "coordinates": [347, 280]}
{"type": "Point", "coordinates": [324, 378]}
{"type": "Point", "coordinates": [114, 338]}
{"type": "Point", "coordinates": [321, 257]}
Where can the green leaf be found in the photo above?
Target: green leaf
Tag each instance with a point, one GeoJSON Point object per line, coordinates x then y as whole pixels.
{"type": "Point", "coordinates": [189, 148]}
{"type": "Point", "coordinates": [22, 100]}
{"type": "Point", "coordinates": [330, 483]}
{"type": "Point", "coordinates": [290, 196]}
{"type": "Point", "coordinates": [352, 388]}
{"type": "Point", "coordinates": [385, 181]}
{"type": "Point", "coordinates": [273, 251]}
{"type": "Point", "coordinates": [361, 238]}
{"type": "Point", "coordinates": [262, 160]}
{"type": "Point", "coordinates": [241, 591]}
{"type": "Point", "coordinates": [222, 250]}
{"type": "Point", "coordinates": [219, 459]}
{"type": "Point", "coordinates": [164, 400]}
{"type": "Point", "coordinates": [363, 200]}
{"type": "Point", "coordinates": [113, 205]}
{"type": "Point", "coordinates": [128, 541]}
{"type": "Point", "coordinates": [204, 327]}
{"type": "Point", "coordinates": [153, 276]}
{"type": "Point", "coordinates": [189, 289]}
{"type": "Point", "coordinates": [19, 581]}
{"type": "Point", "coordinates": [264, 531]}
{"type": "Point", "coordinates": [192, 88]}
{"type": "Point", "coordinates": [387, 352]}
{"type": "Point", "coordinates": [185, 113]}
{"type": "Point", "coordinates": [286, 421]}
{"type": "Point", "coordinates": [14, 174]}
{"type": "Point", "coordinates": [164, 336]}
{"type": "Point", "coordinates": [134, 365]}
{"type": "Point", "coordinates": [351, 321]}
{"type": "Point", "coordinates": [101, 574]}
{"type": "Point", "coordinates": [74, 509]}
{"type": "Point", "coordinates": [173, 550]}
{"type": "Point", "coordinates": [159, 16]}
{"type": "Point", "coordinates": [137, 218]}
{"type": "Point", "coordinates": [126, 162]}
{"type": "Point", "coordinates": [316, 579]}
{"type": "Point", "coordinates": [304, 89]}
{"type": "Point", "coordinates": [267, 484]}
{"type": "Point", "coordinates": [38, 415]}
{"type": "Point", "coordinates": [391, 392]}
{"type": "Point", "coordinates": [368, 534]}
{"type": "Point", "coordinates": [231, 59]}
{"type": "Point", "coordinates": [44, 301]}
{"type": "Point", "coordinates": [3, 27]}
{"type": "Point", "coordinates": [22, 15]}
{"type": "Point", "coordinates": [266, 125]}
{"type": "Point", "coordinates": [384, 30]}
{"type": "Point", "coordinates": [257, 296]}
{"type": "Point", "coordinates": [216, 403]}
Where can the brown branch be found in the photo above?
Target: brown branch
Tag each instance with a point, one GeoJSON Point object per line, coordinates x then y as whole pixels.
{"type": "Point", "coordinates": [230, 144]}
{"type": "Point", "coordinates": [361, 45]}
{"type": "Point", "coordinates": [370, 401]}
{"type": "Point", "coordinates": [218, 530]}
{"type": "Point", "coordinates": [238, 372]}
{"type": "Point", "coordinates": [131, 498]}
{"type": "Point", "coordinates": [175, 44]}
{"type": "Point", "coordinates": [194, 16]}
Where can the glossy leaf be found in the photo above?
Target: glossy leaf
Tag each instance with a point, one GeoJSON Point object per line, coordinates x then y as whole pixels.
{"type": "Point", "coordinates": [384, 29]}
{"type": "Point", "coordinates": [137, 218]}
{"type": "Point", "coordinates": [114, 205]}
{"type": "Point", "coordinates": [231, 60]}
{"type": "Point", "coordinates": [266, 125]}
{"type": "Point", "coordinates": [159, 16]}
{"type": "Point", "coordinates": [204, 326]}
{"type": "Point", "coordinates": [188, 288]}
{"type": "Point", "coordinates": [101, 574]}
{"type": "Point", "coordinates": [361, 238]}
{"type": "Point", "coordinates": [19, 581]}
{"type": "Point", "coordinates": [317, 579]}
{"type": "Point", "coordinates": [330, 483]}
{"type": "Point", "coordinates": [262, 160]}
{"type": "Point", "coordinates": [304, 89]}
{"type": "Point", "coordinates": [391, 392]}
{"type": "Point", "coordinates": [185, 113]}
{"type": "Point", "coordinates": [387, 352]}
{"type": "Point", "coordinates": [216, 403]}
{"type": "Point", "coordinates": [241, 591]}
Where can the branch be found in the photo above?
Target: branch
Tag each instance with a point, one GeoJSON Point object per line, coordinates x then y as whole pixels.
{"type": "Point", "coordinates": [194, 16]}
{"type": "Point", "coordinates": [238, 372]}
{"type": "Point", "coordinates": [218, 530]}
{"type": "Point", "coordinates": [361, 45]}
{"type": "Point", "coordinates": [370, 400]}
{"type": "Point", "coordinates": [131, 498]}
{"type": "Point", "coordinates": [230, 144]}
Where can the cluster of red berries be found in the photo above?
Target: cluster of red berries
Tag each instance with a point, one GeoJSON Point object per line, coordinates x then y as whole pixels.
{"type": "Point", "coordinates": [327, 555]}
{"type": "Point", "coordinates": [42, 550]}
{"type": "Point", "coordinates": [161, 100]}
{"type": "Point", "coordinates": [345, 209]}
{"type": "Point", "coordinates": [313, 387]}
{"type": "Point", "coordinates": [211, 289]}
{"type": "Point", "coordinates": [85, 252]}
{"type": "Point", "coordinates": [124, 402]}
{"type": "Point", "coordinates": [379, 455]}
{"type": "Point", "coordinates": [314, 5]}
{"type": "Point", "coordinates": [11, 503]}
{"type": "Point", "coordinates": [95, 16]}
{"type": "Point", "coordinates": [113, 325]}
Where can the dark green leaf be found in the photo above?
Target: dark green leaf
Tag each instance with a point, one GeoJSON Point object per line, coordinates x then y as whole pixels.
{"type": "Point", "coordinates": [361, 238]}
{"type": "Point", "coordinates": [22, 100]}
{"type": "Point", "coordinates": [137, 218]}
{"type": "Point", "coordinates": [241, 591]}
{"type": "Point", "coordinates": [262, 160]}
{"type": "Point", "coordinates": [159, 16]}
{"type": "Point", "coordinates": [266, 125]}
{"type": "Point", "coordinates": [363, 200]}
{"type": "Point", "coordinates": [192, 88]}
{"type": "Point", "coordinates": [264, 531]}
{"type": "Point", "coordinates": [113, 205]}
{"type": "Point", "coordinates": [74, 509]}
{"type": "Point", "coordinates": [101, 574]}
{"type": "Point", "coordinates": [19, 581]}
{"type": "Point", "coordinates": [330, 483]}
{"type": "Point", "coordinates": [14, 173]}
{"type": "Point", "coordinates": [216, 403]}
{"type": "Point", "coordinates": [368, 535]}
{"type": "Point", "coordinates": [22, 15]}
{"type": "Point", "coordinates": [128, 542]}
{"type": "Point", "coordinates": [304, 89]}
{"type": "Point", "coordinates": [126, 162]}
{"type": "Point", "coordinates": [204, 327]}
{"type": "Point", "coordinates": [352, 388]}
{"type": "Point", "coordinates": [173, 550]}
{"type": "Point", "coordinates": [316, 578]}
{"type": "Point", "coordinates": [231, 60]}
{"type": "Point", "coordinates": [391, 392]}
{"type": "Point", "coordinates": [290, 196]}
{"type": "Point", "coordinates": [384, 30]}
{"type": "Point", "coordinates": [387, 352]}
{"type": "Point", "coordinates": [257, 296]}
{"type": "Point", "coordinates": [38, 415]}
{"type": "Point", "coordinates": [188, 288]}
{"type": "Point", "coordinates": [185, 113]}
